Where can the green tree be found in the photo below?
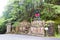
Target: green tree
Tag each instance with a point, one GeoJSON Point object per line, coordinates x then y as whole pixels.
{"type": "Point", "coordinates": [19, 10]}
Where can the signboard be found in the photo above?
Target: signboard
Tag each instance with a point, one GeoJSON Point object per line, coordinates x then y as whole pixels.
{"type": "Point", "coordinates": [46, 28]}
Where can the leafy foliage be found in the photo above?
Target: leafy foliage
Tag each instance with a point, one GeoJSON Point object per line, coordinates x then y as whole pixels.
{"type": "Point", "coordinates": [2, 26]}
{"type": "Point", "coordinates": [24, 10]}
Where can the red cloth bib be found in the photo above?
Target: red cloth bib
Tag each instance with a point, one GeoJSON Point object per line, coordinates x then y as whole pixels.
{"type": "Point", "coordinates": [37, 15]}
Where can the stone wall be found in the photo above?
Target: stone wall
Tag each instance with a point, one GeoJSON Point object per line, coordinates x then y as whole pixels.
{"type": "Point", "coordinates": [33, 28]}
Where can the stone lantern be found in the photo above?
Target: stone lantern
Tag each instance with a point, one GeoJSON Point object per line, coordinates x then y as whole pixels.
{"type": "Point", "coordinates": [9, 26]}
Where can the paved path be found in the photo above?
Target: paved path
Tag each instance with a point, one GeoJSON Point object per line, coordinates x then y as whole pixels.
{"type": "Point", "coordinates": [23, 37]}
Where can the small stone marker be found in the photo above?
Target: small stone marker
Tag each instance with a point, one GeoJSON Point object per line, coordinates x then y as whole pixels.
{"type": "Point", "coordinates": [59, 29]}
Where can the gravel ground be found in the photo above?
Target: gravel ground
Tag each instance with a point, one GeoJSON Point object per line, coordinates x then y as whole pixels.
{"type": "Point", "coordinates": [23, 37]}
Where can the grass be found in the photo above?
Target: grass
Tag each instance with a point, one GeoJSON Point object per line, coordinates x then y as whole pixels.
{"type": "Point", "coordinates": [57, 36]}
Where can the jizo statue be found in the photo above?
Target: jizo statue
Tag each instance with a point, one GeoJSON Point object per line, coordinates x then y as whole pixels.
{"type": "Point", "coordinates": [37, 15]}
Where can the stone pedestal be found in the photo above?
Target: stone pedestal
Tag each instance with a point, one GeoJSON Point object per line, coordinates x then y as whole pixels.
{"type": "Point", "coordinates": [37, 28]}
